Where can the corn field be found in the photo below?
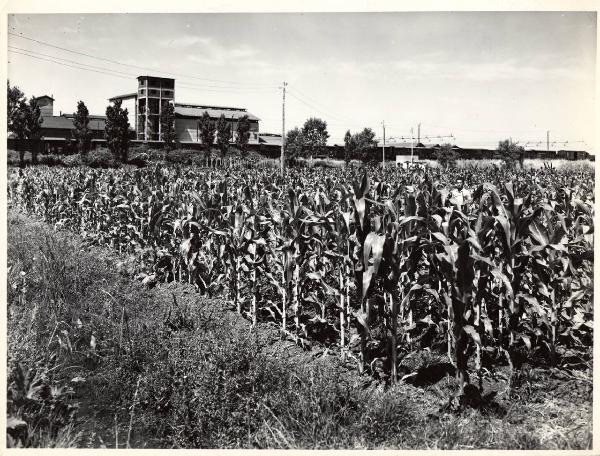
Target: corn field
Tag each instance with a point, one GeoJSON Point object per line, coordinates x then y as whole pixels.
{"type": "Point", "coordinates": [372, 263]}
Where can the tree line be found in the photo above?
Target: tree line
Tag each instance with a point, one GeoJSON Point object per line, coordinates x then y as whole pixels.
{"type": "Point", "coordinates": [311, 140]}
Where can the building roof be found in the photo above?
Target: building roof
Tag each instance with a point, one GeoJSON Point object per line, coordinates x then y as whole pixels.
{"type": "Point", "coordinates": [125, 96]}
{"type": "Point", "coordinates": [269, 140]}
{"type": "Point", "coordinates": [404, 144]}
{"type": "Point", "coordinates": [189, 110]}
{"type": "Point", "coordinates": [154, 77]}
{"type": "Point", "coordinates": [45, 96]}
{"type": "Point", "coordinates": [91, 116]}
{"type": "Point", "coordinates": [66, 123]}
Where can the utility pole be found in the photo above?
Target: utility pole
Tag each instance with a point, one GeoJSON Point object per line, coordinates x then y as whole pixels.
{"type": "Point", "coordinates": [419, 134]}
{"type": "Point", "coordinates": [383, 158]}
{"type": "Point", "coordinates": [547, 140]}
{"type": "Point", "coordinates": [412, 141]}
{"type": "Point", "coordinates": [283, 130]}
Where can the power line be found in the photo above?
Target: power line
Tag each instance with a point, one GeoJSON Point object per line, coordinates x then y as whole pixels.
{"type": "Point", "coordinates": [310, 105]}
{"type": "Point", "coordinates": [341, 117]}
{"type": "Point", "coordinates": [44, 43]}
{"type": "Point", "coordinates": [328, 114]}
{"type": "Point", "coordinates": [123, 75]}
{"type": "Point", "coordinates": [66, 60]}
{"type": "Point", "coordinates": [67, 65]}
{"type": "Point", "coordinates": [485, 131]}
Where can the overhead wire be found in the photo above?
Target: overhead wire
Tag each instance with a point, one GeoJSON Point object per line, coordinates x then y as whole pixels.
{"type": "Point", "coordinates": [120, 74]}
{"type": "Point", "coordinates": [116, 62]}
{"type": "Point", "coordinates": [67, 65]}
{"type": "Point", "coordinates": [310, 105]}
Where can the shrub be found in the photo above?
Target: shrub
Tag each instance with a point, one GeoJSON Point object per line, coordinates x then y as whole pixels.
{"type": "Point", "coordinates": [446, 156]}
{"type": "Point", "coordinates": [71, 161]}
{"type": "Point", "coordinates": [183, 156]}
{"type": "Point", "coordinates": [157, 154]}
{"type": "Point", "coordinates": [101, 158]}
{"type": "Point", "coordinates": [510, 153]}
{"type": "Point", "coordinates": [138, 159]}
{"type": "Point", "coordinates": [50, 160]}
{"type": "Point", "coordinates": [14, 160]}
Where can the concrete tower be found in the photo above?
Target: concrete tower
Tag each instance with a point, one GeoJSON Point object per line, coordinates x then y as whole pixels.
{"type": "Point", "coordinates": [46, 105]}
{"type": "Point", "coordinates": [153, 95]}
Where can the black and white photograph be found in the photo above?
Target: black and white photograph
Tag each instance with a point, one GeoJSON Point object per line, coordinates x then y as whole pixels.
{"type": "Point", "coordinates": [310, 230]}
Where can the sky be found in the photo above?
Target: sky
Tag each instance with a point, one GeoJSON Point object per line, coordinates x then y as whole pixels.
{"type": "Point", "coordinates": [480, 77]}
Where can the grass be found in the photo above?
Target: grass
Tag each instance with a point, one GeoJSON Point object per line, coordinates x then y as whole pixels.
{"type": "Point", "coordinates": [124, 365]}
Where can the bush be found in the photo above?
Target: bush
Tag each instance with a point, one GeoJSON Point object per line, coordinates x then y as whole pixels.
{"type": "Point", "coordinates": [183, 156]}
{"type": "Point", "coordinates": [446, 156]}
{"type": "Point", "coordinates": [101, 158]}
{"type": "Point", "coordinates": [156, 154]}
{"type": "Point", "coordinates": [320, 162]}
{"type": "Point", "coordinates": [14, 160]}
{"type": "Point", "coordinates": [50, 160]}
{"type": "Point", "coordinates": [138, 159]}
{"type": "Point", "coordinates": [71, 161]}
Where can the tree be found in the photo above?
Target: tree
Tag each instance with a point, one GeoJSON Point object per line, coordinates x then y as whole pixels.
{"type": "Point", "coordinates": [167, 125]}
{"type": "Point", "coordinates": [19, 128]}
{"type": "Point", "coordinates": [348, 147]}
{"type": "Point", "coordinates": [294, 145]}
{"type": "Point", "coordinates": [364, 144]}
{"type": "Point", "coordinates": [510, 153]}
{"type": "Point", "coordinates": [14, 97]}
{"type": "Point", "coordinates": [81, 132]}
{"type": "Point", "coordinates": [243, 135]}
{"type": "Point", "coordinates": [314, 133]}
{"type": "Point", "coordinates": [207, 132]}
{"type": "Point", "coordinates": [33, 127]}
{"type": "Point", "coordinates": [446, 155]}
{"type": "Point", "coordinates": [116, 130]}
{"type": "Point", "coordinates": [223, 134]}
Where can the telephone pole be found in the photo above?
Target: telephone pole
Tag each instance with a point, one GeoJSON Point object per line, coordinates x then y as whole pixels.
{"type": "Point", "coordinates": [412, 140]}
{"type": "Point", "coordinates": [283, 129]}
{"type": "Point", "coordinates": [383, 158]}
{"type": "Point", "coordinates": [547, 140]}
{"type": "Point", "coordinates": [419, 134]}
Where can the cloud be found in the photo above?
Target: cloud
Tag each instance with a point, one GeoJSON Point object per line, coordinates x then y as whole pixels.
{"type": "Point", "coordinates": [218, 55]}
{"type": "Point", "coordinates": [186, 41]}
{"type": "Point", "coordinates": [206, 50]}
{"type": "Point", "coordinates": [476, 72]}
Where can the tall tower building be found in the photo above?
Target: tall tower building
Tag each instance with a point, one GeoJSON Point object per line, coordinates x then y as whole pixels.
{"type": "Point", "coordinates": [153, 95]}
{"type": "Point", "coordinates": [46, 105]}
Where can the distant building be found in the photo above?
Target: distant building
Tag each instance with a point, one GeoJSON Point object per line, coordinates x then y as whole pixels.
{"type": "Point", "coordinates": [152, 97]}
{"type": "Point", "coordinates": [573, 154]}
{"type": "Point", "coordinates": [269, 139]}
{"type": "Point", "coordinates": [46, 104]}
{"type": "Point", "coordinates": [55, 130]}
{"type": "Point", "coordinates": [187, 121]}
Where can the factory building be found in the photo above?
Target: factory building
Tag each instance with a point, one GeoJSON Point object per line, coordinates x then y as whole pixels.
{"type": "Point", "coordinates": [154, 94]}
{"type": "Point", "coordinates": [55, 130]}
{"type": "Point", "coordinates": [187, 120]}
